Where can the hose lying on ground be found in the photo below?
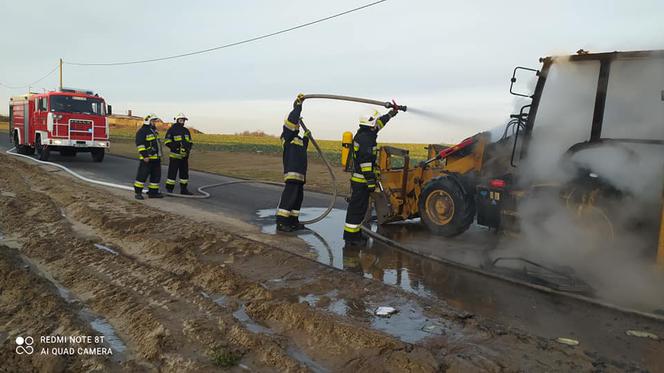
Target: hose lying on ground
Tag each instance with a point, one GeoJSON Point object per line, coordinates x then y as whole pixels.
{"type": "Point", "coordinates": [203, 194]}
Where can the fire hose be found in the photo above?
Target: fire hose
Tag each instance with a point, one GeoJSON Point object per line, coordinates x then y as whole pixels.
{"type": "Point", "coordinates": [202, 189]}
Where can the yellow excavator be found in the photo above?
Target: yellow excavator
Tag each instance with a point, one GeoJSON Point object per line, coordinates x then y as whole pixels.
{"type": "Point", "coordinates": [585, 99]}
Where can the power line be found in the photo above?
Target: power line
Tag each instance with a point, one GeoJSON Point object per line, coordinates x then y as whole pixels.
{"type": "Point", "coordinates": [230, 44]}
{"type": "Point", "coordinates": [33, 83]}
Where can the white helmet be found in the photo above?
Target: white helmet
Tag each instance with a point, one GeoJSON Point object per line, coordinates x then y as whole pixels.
{"type": "Point", "coordinates": [150, 117]}
{"type": "Point", "coordinates": [180, 116]}
{"type": "Point", "coordinates": [369, 120]}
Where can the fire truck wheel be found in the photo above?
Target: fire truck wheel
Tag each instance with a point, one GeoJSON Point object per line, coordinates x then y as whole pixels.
{"type": "Point", "coordinates": [43, 151]}
{"type": "Point", "coordinates": [97, 154]}
{"type": "Point", "coordinates": [444, 208]}
{"type": "Point", "coordinates": [21, 149]}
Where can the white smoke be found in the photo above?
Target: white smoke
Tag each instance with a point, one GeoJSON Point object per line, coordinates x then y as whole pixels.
{"type": "Point", "coordinates": [613, 248]}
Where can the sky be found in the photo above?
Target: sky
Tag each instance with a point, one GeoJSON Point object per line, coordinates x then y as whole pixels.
{"type": "Point", "coordinates": [453, 59]}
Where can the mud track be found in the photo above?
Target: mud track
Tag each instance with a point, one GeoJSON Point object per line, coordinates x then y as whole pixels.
{"type": "Point", "coordinates": [182, 295]}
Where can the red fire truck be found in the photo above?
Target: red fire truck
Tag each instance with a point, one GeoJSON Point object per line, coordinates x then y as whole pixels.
{"type": "Point", "coordinates": [68, 120]}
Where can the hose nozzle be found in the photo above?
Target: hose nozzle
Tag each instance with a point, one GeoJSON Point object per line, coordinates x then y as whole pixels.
{"type": "Point", "coordinates": [392, 105]}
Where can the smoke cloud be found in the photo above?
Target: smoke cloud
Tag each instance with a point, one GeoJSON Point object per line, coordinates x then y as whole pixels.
{"type": "Point", "coordinates": [605, 228]}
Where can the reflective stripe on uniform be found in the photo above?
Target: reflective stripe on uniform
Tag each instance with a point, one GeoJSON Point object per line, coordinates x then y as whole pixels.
{"type": "Point", "coordinates": [176, 156]}
{"type": "Point", "coordinates": [167, 141]}
{"type": "Point", "coordinates": [187, 138]}
{"type": "Point", "coordinates": [153, 157]}
{"type": "Point", "coordinates": [291, 126]}
{"type": "Point", "coordinates": [356, 146]}
{"type": "Point", "coordinates": [380, 124]}
{"type": "Point", "coordinates": [150, 137]}
{"type": "Point", "coordinates": [295, 212]}
{"type": "Point", "coordinates": [177, 138]}
{"type": "Point", "coordinates": [153, 186]}
{"type": "Point", "coordinates": [170, 182]}
{"type": "Point", "coordinates": [293, 176]}
{"type": "Point", "coordinates": [297, 141]}
{"type": "Point", "coordinates": [140, 148]}
{"type": "Point", "coordinates": [184, 181]}
{"type": "Point", "coordinates": [365, 166]}
{"type": "Point", "coordinates": [359, 178]}
{"type": "Point", "coordinates": [138, 184]}
{"type": "Point", "coordinates": [352, 228]}
{"type": "Point", "coordinates": [284, 213]}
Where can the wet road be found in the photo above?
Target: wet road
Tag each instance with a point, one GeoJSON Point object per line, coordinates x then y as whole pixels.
{"type": "Point", "coordinates": [599, 330]}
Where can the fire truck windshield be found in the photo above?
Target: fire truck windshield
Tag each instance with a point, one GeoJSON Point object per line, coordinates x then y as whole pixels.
{"type": "Point", "coordinates": [75, 104]}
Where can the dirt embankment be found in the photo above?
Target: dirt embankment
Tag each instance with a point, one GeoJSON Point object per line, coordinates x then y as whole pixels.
{"type": "Point", "coordinates": [181, 295]}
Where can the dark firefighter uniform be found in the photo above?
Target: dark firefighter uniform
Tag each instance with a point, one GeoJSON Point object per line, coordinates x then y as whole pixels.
{"type": "Point", "coordinates": [295, 170]}
{"type": "Point", "coordinates": [178, 140]}
{"type": "Point", "coordinates": [363, 179]}
{"type": "Point", "coordinates": [147, 144]}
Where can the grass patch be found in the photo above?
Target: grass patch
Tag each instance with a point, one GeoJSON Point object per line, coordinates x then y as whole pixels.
{"type": "Point", "coordinates": [225, 359]}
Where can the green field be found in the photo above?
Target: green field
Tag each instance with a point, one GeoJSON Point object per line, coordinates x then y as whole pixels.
{"type": "Point", "coordinates": [263, 144]}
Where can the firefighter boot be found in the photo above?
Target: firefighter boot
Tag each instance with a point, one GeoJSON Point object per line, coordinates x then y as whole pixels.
{"type": "Point", "coordinates": [138, 191]}
{"type": "Point", "coordinates": [185, 191]}
{"type": "Point", "coordinates": [284, 224]}
{"type": "Point", "coordinates": [356, 241]}
{"type": "Point", "coordinates": [155, 194]}
{"type": "Point", "coordinates": [296, 225]}
{"type": "Point", "coordinates": [169, 188]}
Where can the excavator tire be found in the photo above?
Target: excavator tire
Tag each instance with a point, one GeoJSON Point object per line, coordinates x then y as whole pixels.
{"type": "Point", "coordinates": [444, 207]}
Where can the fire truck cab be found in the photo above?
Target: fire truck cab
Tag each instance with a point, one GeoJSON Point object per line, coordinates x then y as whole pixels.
{"type": "Point", "coordinates": [68, 120]}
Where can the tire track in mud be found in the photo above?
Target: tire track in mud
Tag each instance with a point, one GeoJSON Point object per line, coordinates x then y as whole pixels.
{"type": "Point", "coordinates": [159, 292]}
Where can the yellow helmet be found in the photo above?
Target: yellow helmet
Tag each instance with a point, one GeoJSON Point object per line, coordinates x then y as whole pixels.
{"type": "Point", "coordinates": [369, 120]}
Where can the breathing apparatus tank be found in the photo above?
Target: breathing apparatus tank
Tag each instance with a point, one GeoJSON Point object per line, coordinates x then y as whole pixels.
{"type": "Point", "coordinates": [346, 144]}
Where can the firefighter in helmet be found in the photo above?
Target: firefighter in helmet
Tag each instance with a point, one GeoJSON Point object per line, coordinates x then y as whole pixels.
{"type": "Point", "coordinates": [295, 170]}
{"type": "Point", "coordinates": [178, 140]}
{"type": "Point", "coordinates": [149, 150]}
{"type": "Point", "coordinates": [364, 178]}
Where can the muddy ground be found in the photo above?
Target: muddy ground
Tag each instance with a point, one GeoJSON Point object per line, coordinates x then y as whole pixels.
{"type": "Point", "coordinates": [171, 293]}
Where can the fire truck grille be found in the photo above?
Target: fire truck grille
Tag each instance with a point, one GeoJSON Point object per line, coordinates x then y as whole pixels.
{"type": "Point", "coordinates": [80, 125]}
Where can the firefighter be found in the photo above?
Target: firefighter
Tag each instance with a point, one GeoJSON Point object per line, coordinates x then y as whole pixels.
{"type": "Point", "coordinates": [364, 177]}
{"type": "Point", "coordinates": [178, 140]}
{"type": "Point", "coordinates": [295, 170]}
{"type": "Point", "coordinates": [147, 144]}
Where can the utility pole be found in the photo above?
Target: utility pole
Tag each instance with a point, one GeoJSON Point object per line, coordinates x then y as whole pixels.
{"type": "Point", "coordinates": [61, 74]}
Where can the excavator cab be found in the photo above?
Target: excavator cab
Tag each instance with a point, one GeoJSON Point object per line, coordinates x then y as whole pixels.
{"type": "Point", "coordinates": [592, 132]}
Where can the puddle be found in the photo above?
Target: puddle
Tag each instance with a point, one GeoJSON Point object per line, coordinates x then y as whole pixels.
{"type": "Point", "coordinates": [106, 248]}
{"type": "Point", "coordinates": [96, 322]}
{"type": "Point", "coordinates": [323, 237]}
{"type": "Point", "coordinates": [303, 358]}
{"type": "Point", "coordinates": [220, 300]}
{"type": "Point", "coordinates": [100, 325]}
{"type": "Point", "coordinates": [242, 316]}
{"type": "Point", "coordinates": [409, 324]}
{"type": "Point", "coordinates": [310, 299]}
{"type": "Point", "coordinates": [339, 307]}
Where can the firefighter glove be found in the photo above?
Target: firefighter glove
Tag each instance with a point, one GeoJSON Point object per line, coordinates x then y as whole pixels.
{"type": "Point", "coordinates": [298, 100]}
{"type": "Point", "coordinates": [395, 109]}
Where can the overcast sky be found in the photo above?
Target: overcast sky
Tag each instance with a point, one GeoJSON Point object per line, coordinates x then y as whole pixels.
{"type": "Point", "coordinates": [454, 58]}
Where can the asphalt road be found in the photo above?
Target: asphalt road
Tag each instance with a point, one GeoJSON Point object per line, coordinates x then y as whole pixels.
{"type": "Point", "coordinates": [599, 330]}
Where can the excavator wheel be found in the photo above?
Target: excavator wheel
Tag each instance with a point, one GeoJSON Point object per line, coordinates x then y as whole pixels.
{"type": "Point", "coordinates": [444, 208]}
